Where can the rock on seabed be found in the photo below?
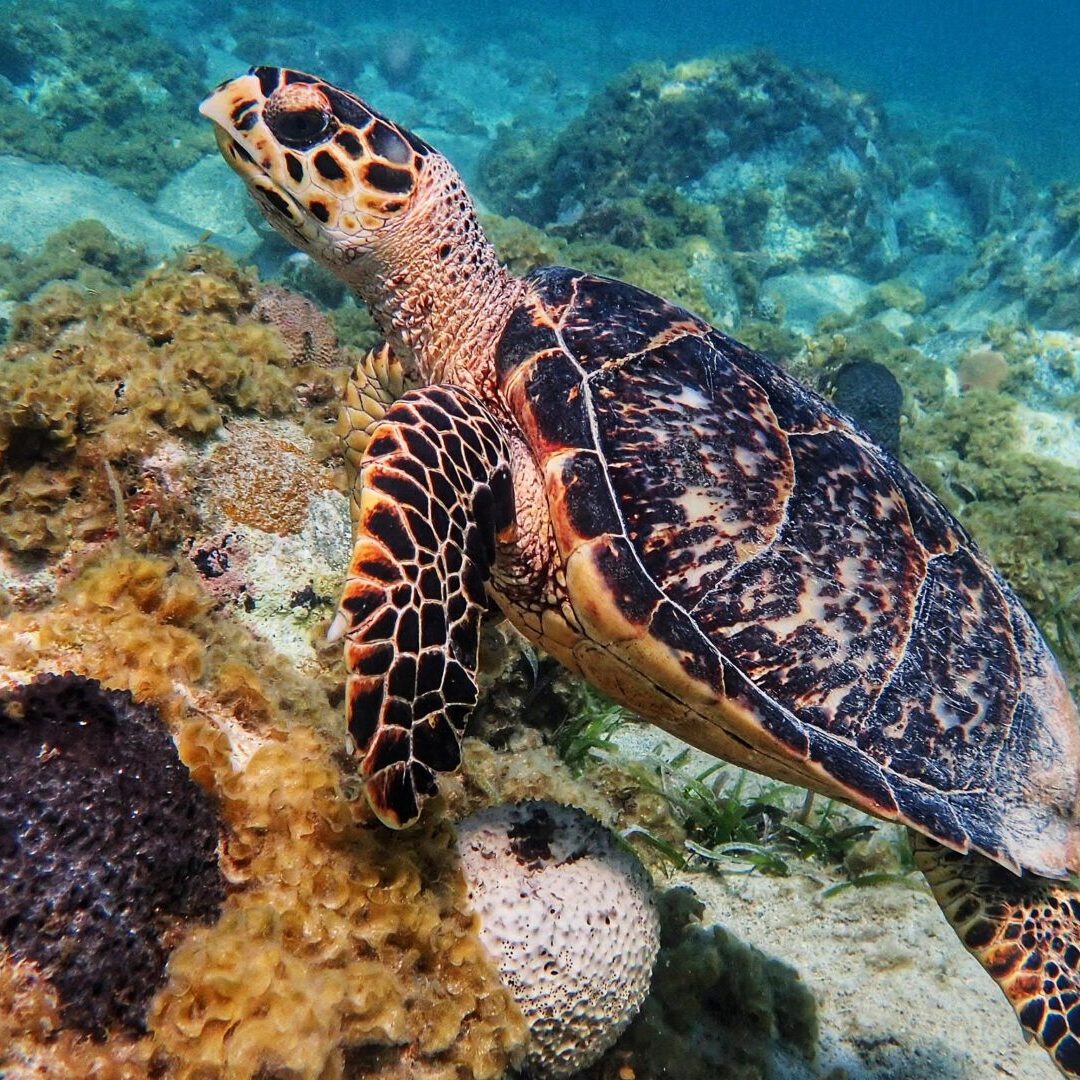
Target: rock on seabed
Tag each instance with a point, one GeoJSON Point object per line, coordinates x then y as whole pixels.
{"type": "Point", "coordinates": [36, 200]}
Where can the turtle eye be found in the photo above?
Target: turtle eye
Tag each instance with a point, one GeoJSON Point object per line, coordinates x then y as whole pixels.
{"type": "Point", "coordinates": [299, 128]}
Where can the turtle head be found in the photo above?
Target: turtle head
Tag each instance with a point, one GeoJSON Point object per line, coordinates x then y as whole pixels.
{"type": "Point", "coordinates": [327, 171]}
{"type": "Point", "coordinates": [380, 208]}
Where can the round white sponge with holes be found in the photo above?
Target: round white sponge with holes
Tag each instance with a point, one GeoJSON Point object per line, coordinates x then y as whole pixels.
{"type": "Point", "coordinates": [569, 916]}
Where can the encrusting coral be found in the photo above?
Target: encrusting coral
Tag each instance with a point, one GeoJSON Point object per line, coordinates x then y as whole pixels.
{"type": "Point", "coordinates": [263, 479]}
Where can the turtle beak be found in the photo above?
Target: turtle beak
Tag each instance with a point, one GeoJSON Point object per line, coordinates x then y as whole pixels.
{"type": "Point", "coordinates": [230, 103]}
{"type": "Point", "coordinates": [234, 109]}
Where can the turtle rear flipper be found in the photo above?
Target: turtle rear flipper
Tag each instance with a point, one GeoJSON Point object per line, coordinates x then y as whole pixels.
{"type": "Point", "coordinates": [432, 497]}
{"type": "Point", "coordinates": [1025, 931]}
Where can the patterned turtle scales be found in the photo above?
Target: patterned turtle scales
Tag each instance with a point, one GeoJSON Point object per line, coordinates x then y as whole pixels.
{"type": "Point", "coordinates": [673, 517]}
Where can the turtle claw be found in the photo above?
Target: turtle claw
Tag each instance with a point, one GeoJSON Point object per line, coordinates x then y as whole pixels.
{"type": "Point", "coordinates": [337, 628]}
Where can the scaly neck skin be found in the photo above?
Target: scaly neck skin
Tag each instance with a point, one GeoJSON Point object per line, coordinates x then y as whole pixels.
{"type": "Point", "coordinates": [436, 288]}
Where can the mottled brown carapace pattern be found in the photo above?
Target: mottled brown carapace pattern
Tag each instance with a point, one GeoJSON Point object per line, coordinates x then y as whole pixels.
{"type": "Point", "coordinates": [700, 535]}
{"type": "Point", "coordinates": [797, 601]}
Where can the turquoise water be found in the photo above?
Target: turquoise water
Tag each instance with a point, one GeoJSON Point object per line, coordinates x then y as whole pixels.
{"type": "Point", "coordinates": [1001, 68]}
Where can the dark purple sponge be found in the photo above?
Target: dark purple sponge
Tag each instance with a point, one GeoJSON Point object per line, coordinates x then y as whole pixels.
{"type": "Point", "coordinates": [105, 842]}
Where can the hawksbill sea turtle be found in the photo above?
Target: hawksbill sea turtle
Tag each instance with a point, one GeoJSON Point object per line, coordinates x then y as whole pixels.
{"type": "Point", "coordinates": [675, 518]}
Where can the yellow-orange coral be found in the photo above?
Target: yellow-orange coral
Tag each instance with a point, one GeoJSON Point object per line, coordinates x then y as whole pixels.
{"type": "Point", "coordinates": [342, 950]}
{"type": "Point", "coordinates": [93, 379]}
{"type": "Point", "coordinates": [338, 937]}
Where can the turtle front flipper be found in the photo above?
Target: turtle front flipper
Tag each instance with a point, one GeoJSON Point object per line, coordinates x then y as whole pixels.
{"type": "Point", "coordinates": [1025, 931]}
{"type": "Point", "coordinates": [433, 498]}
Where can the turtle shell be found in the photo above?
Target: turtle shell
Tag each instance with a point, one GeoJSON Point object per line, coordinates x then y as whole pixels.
{"type": "Point", "coordinates": [742, 565]}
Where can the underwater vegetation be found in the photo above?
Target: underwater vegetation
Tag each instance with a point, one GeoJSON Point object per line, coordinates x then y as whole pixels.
{"type": "Point", "coordinates": [85, 252]}
{"type": "Point", "coordinates": [97, 89]}
{"type": "Point", "coordinates": [784, 165]}
{"type": "Point", "coordinates": [108, 377]}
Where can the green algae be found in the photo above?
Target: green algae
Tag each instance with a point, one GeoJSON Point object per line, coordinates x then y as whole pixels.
{"type": "Point", "coordinates": [899, 294]}
{"type": "Point", "coordinates": [660, 124]}
{"type": "Point", "coordinates": [524, 248]}
{"type": "Point", "coordinates": [97, 90]}
{"type": "Point", "coordinates": [84, 252]}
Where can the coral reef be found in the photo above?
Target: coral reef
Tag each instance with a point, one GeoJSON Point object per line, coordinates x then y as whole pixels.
{"type": "Point", "coordinates": [795, 165]}
{"type": "Point", "coordinates": [92, 379]}
{"type": "Point", "coordinates": [1033, 258]}
{"type": "Point", "coordinates": [98, 90]}
{"type": "Point", "coordinates": [84, 252]}
{"type": "Point", "coordinates": [569, 914]}
{"type": "Point", "coordinates": [364, 952]}
{"type": "Point", "coordinates": [108, 846]}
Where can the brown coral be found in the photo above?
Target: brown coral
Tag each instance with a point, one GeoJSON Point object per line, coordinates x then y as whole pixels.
{"type": "Point", "coordinates": [308, 332]}
{"type": "Point", "coordinates": [95, 898]}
